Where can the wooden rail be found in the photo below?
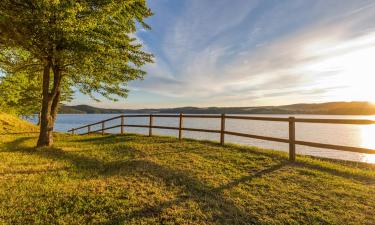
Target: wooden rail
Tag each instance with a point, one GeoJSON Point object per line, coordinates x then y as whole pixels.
{"type": "Point", "coordinates": [291, 121]}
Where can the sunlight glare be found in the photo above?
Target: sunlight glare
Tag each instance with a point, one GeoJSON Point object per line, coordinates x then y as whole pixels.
{"type": "Point", "coordinates": [368, 141]}
{"type": "Point", "coordinates": [349, 65]}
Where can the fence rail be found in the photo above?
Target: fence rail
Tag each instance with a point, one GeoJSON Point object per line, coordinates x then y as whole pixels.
{"type": "Point", "coordinates": [291, 123]}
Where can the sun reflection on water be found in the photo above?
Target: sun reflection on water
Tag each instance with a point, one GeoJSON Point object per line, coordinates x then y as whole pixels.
{"type": "Point", "coordinates": [368, 141]}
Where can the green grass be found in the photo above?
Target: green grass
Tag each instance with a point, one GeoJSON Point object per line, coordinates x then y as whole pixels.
{"type": "Point", "coordinates": [133, 179]}
{"type": "Point", "coordinates": [13, 124]}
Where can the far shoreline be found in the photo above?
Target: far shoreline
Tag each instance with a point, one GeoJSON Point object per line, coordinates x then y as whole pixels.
{"type": "Point", "coordinates": [329, 108]}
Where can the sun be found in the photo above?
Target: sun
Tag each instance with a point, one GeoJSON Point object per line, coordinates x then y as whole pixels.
{"type": "Point", "coordinates": [357, 74]}
{"type": "Point", "coordinates": [347, 65]}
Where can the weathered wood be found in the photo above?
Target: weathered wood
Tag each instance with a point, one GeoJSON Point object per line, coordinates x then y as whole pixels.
{"type": "Point", "coordinates": [202, 116]}
{"type": "Point", "coordinates": [336, 147]}
{"type": "Point", "coordinates": [122, 125]}
{"type": "Point", "coordinates": [282, 140]}
{"type": "Point", "coordinates": [140, 126]}
{"type": "Point", "coordinates": [92, 124]}
{"type": "Point", "coordinates": [165, 127]}
{"type": "Point", "coordinates": [100, 130]}
{"type": "Point", "coordinates": [222, 129]}
{"type": "Point", "coordinates": [301, 120]}
{"type": "Point", "coordinates": [292, 139]}
{"type": "Point", "coordinates": [201, 130]}
{"type": "Point", "coordinates": [292, 130]}
{"type": "Point", "coordinates": [150, 126]}
{"type": "Point", "coordinates": [336, 121]}
{"type": "Point", "coordinates": [180, 127]}
{"type": "Point", "coordinates": [258, 118]}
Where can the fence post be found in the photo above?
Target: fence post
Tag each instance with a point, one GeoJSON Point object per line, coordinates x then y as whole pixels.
{"type": "Point", "coordinates": [222, 130]}
{"type": "Point", "coordinates": [102, 128]}
{"type": "Point", "coordinates": [72, 131]}
{"type": "Point", "coordinates": [122, 124]}
{"type": "Point", "coordinates": [150, 126]}
{"type": "Point", "coordinates": [88, 129]}
{"type": "Point", "coordinates": [180, 127]}
{"type": "Point", "coordinates": [292, 138]}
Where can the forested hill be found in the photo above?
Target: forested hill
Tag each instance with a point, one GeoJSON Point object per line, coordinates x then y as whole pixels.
{"type": "Point", "coordinates": [331, 108]}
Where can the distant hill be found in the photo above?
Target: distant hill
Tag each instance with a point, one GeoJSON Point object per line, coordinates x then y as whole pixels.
{"type": "Point", "coordinates": [330, 108]}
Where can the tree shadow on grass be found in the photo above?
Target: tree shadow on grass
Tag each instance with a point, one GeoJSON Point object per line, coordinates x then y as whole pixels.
{"type": "Point", "coordinates": [89, 162]}
{"type": "Point", "coordinates": [17, 133]}
{"type": "Point", "coordinates": [18, 145]}
{"type": "Point", "coordinates": [115, 138]}
{"type": "Point", "coordinates": [142, 139]}
{"type": "Point", "coordinates": [33, 171]}
{"type": "Point", "coordinates": [225, 211]}
{"type": "Point", "coordinates": [257, 174]}
{"type": "Point", "coordinates": [363, 178]}
{"type": "Point", "coordinates": [211, 200]}
{"type": "Point", "coordinates": [98, 139]}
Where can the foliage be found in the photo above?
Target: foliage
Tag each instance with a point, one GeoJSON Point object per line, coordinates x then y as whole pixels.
{"type": "Point", "coordinates": [90, 41]}
{"type": "Point", "coordinates": [87, 44]}
{"type": "Point", "coordinates": [134, 179]}
{"type": "Point", "coordinates": [21, 93]}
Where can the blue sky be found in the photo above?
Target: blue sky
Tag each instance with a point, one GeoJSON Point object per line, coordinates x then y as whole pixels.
{"type": "Point", "coordinates": [254, 52]}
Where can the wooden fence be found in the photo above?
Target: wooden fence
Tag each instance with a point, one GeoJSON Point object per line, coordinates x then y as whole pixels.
{"type": "Point", "coordinates": [291, 121]}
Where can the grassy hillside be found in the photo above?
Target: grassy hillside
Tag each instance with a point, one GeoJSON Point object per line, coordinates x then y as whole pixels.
{"type": "Point", "coordinates": [13, 124]}
{"type": "Point", "coordinates": [134, 179]}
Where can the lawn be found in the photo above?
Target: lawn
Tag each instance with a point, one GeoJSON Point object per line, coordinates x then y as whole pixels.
{"type": "Point", "coordinates": [134, 179]}
{"type": "Point", "coordinates": [14, 125]}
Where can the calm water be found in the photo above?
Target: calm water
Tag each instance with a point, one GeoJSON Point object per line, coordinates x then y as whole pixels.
{"type": "Point", "coordinates": [349, 135]}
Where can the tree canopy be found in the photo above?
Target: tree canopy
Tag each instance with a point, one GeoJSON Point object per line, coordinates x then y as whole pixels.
{"type": "Point", "coordinates": [21, 93]}
{"type": "Point", "coordinates": [87, 44]}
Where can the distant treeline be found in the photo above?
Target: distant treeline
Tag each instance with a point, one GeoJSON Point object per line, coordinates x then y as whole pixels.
{"type": "Point", "coordinates": [330, 108]}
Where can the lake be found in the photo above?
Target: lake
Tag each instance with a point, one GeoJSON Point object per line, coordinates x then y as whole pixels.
{"type": "Point", "coordinates": [349, 135]}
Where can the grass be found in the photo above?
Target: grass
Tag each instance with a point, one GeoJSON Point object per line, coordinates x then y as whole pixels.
{"type": "Point", "coordinates": [133, 179]}
{"type": "Point", "coordinates": [13, 124]}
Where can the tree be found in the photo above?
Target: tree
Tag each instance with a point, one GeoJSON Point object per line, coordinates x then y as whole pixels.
{"type": "Point", "coordinates": [85, 43]}
{"type": "Point", "coordinates": [21, 93]}
{"type": "Point", "coordinates": [20, 86]}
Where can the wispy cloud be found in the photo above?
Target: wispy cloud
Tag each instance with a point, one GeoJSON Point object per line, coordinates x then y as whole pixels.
{"type": "Point", "coordinates": [259, 49]}
{"type": "Point", "coordinates": [247, 52]}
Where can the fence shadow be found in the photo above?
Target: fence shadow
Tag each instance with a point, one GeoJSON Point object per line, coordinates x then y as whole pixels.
{"type": "Point", "coordinates": [224, 210]}
{"type": "Point", "coordinates": [88, 162]}
{"type": "Point", "coordinates": [208, 198]}
{"type": "Point", "coordinates": [363, 178]}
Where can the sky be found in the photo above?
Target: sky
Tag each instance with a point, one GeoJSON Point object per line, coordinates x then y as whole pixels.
{"type": "Point", "coordinates": [253, 53]}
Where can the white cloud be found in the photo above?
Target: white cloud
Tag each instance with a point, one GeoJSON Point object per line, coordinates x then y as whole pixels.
{"type": "Point", "coordinates": [273, 58]}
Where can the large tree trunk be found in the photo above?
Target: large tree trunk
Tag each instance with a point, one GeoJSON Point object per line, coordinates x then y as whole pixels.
{"type": "Point", "coordinates": [54, 110]}
{"type": "Point", "coordinates": [44, 139]}
{"type": "Point", "coordinates": [56, 96]}
{"type": "Point", "coordinates": [50, 102]}
{"type": "Point", "coordinates": [38, 123]}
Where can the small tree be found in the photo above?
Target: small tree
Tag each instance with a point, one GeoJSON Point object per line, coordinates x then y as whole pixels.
{"type": "Point", "coordinates": [88, 44]}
